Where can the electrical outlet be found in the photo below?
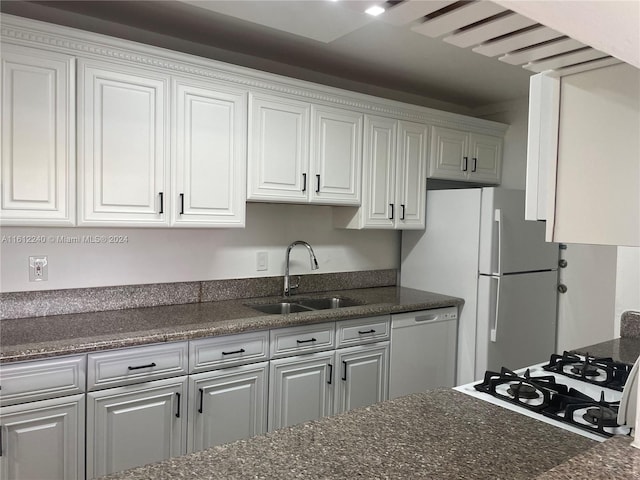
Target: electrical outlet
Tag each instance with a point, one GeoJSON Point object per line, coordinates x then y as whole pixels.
{"type": "Point", "coordinates": [262, 261]}
{"type": "Point", "coordinates": [38, 269]}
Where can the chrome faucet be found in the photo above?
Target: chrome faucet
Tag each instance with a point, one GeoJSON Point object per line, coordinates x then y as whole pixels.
{"type": "Point", "coordinates": [314, 266]}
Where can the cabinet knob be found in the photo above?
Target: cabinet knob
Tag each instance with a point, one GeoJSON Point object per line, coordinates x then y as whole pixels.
{"type": "Point", "coordinates": [562, 288]}
{"type": "Point", "coordinates": [562, 263]}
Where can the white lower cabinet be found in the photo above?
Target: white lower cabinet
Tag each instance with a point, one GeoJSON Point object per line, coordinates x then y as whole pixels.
{"type": "Point", "coordinates": [314, 385]}
{"type": "Point", "coordinates": [135, 424]}
{"type": "Point", "coordinates": [43, 440]}
{"type": "Point", "coordinates": [227, 405]}
{"type": "Point", "coordinates": [363, 378]}
{"type": "Point", "coordinates": [301, 389]}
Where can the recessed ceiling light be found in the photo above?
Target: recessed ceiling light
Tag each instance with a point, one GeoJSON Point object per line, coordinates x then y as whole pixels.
{"type": "Point", "coordinates": [375, 10]}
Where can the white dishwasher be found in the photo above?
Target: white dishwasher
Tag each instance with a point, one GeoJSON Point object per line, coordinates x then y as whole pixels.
{"type": "Point", "coordinates": [423, 350]}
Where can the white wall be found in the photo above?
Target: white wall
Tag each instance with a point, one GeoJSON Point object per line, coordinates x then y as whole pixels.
{"type": "Point", "coordinates": [177, 255]}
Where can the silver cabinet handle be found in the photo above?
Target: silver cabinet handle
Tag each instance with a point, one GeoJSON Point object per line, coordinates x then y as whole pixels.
{"type": "Point", "coordinates": [465, 161]}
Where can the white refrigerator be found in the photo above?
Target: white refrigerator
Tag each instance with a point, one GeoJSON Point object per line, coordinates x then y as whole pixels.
{"type": "Point", "coordinates": [478, 246]}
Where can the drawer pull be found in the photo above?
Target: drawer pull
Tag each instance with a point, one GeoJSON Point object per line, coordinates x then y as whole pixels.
{"type": "Point", "coordinates": [152, 364]}
{"type": "Point", "coordinates": [201, 400]}
{"type": "Point", "coordinates": [234, 352]}
{"type": "Point", "coordinates": [0, 440]}
{"type": "Point", "coordinates": [306, 341]}
{"type": "Point", "coordinates": [330, 373]}
{"type": "Point", "coordinates": [366, 331]}
{"type": "Point", "coordinates": [178, 409]}
{"type": "Point", "coordinates": [344, 374]}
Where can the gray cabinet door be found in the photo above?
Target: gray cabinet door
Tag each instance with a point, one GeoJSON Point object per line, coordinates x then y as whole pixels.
{"type": "Point", "coordinates": [43, 439]}
{"type": "Point", "coordinates": [301, 389]}
{"type": "Point", "coordinates": [227, 405]}
{"type": "Point", "coordinates": [135, 425]}
{"type": "Point", "coordinates": [361, 376]}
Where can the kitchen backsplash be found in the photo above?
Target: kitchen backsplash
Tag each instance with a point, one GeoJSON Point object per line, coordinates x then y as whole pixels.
{"type": "Point", "coordinates": [630, 324]}
{"type": "Point", "coordinates": [78, 300]}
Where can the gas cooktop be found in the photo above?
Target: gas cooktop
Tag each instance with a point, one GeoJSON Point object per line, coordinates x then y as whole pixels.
{"type": "Point", "coordinates": [575, 392]}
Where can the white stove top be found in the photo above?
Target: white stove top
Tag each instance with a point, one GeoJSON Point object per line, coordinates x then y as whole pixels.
{"type": "Point", "coordinates": [593, 391]}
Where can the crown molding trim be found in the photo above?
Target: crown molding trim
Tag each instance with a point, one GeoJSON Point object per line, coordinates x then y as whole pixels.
{"type": "Point", "coordinates": [89, 45]}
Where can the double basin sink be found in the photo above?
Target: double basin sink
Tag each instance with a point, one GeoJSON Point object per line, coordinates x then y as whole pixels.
{"type": "Point", "coordinates": [305, 305]}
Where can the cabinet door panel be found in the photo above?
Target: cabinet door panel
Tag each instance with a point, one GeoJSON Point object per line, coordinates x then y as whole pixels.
{"type": "Point", "coordinates": [122, 145]}
{"type": "Point", "coordinates": [412, 177]}
{"type": "Point", "coordinates": [135, 425]}
{"type": "Point", "coordinates": [363, 376]}
{"type": "Point", "coordinates": [231, 406]}
{"type": "Point", "coordinates": [379, 187]}
{"type": "Point", "coordinates": [486, 158]}
{"type": "Point", "coordinates": [43, 439]}
{"type": "Point", "coordinates": [336, 156]}
{"type": "Point", "coordinates": [209, 159]}
{"type": "Point", "coordinates": [278, 149]}
{"type": "Point", "coordinates": [300, 389]}
{"type": "Point", "coordinates": [448, 149]}
{"type": "Point", "coordinates": [38, 136]}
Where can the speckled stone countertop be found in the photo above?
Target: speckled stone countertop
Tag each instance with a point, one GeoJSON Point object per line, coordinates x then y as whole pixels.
{"type": "Point", "coordinates": [625, 350]}
{"type": "Point", "coordinates": [41, 337]}
{"type": "Point", "coordinates": [614, 459]}
{"type": "Point", "coordinates": [441, 434]}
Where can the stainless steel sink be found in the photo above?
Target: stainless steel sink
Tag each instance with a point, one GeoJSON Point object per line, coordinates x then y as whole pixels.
{"type": "Point", "coordinates": [280, 308]}
{"type": "Point", "coordinates": [328, 303]}
{"type": "Point", "coordinates": [305, 305]}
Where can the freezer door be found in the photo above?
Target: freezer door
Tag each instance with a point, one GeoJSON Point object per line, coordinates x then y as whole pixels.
{"type": "Point", "coordinates": [508, 242]}
{"type": "Point", "coordinates": [516, 320]}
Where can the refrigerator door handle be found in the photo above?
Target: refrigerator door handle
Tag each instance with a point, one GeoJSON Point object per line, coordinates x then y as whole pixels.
{"type": "Point", "coordinates": [497, 217]}
{"type": "Point", "coordinates": [494, 330]}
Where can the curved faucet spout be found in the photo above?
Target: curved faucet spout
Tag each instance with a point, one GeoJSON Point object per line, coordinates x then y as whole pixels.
{"type": "Point", "coordinates": [314, 265]}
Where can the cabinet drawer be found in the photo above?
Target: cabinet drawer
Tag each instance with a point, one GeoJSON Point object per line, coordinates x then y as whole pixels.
{"type": "Point", "coordinates": [135, 365]}
{"type": "Point", "coordinates": [226, 351]}
{"type": "Point", "coordinates": [42, 379]}
{"type": "Point", "coordinates": [363, 330]}
{"type": "Point", "coordinates": [297, 340]}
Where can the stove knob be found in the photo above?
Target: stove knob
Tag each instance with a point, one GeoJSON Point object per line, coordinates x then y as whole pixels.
{"type": "Point", "coordinates": [562, 288]}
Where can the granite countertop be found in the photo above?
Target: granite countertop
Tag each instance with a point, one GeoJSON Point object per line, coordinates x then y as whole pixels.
{"type": "Point", "coordinates": [42, 337]}
{"type": "Point", "coordinates": [441, 434]}
{"type": "Point", "coordinates": [614, 459]}
{"type": "Point", "coordinates": [625, 350]}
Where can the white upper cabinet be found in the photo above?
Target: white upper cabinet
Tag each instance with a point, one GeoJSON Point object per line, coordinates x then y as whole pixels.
{"type": "Point", "coordinates": [336, 156]}
{"type": "Point", "coordinates": [394, 180]}
{"type": "Point", "coordinates": [583, 177]}
{"type": "Point", "coordinates": [465, 156]}
{"type": "Point", "coordinates": [411, 176]}
{"type": "Point", "coordinates": [122, 145]}
{"type": "Point", "coordinates": [278, 149]}
{"type": "Point", "coordinates": [38, 137]}
{"type": "Point", "coordinates": [301, 153]}
{"type": "Point", "coordinates": [209, 155]}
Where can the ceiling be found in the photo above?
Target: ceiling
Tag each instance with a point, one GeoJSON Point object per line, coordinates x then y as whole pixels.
{"type": "Point", "coordinates": [319, 40]}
